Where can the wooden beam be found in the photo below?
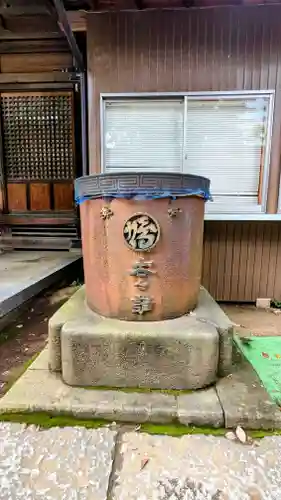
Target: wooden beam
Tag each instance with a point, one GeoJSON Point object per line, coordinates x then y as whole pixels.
{"type": "Point", "coordinates": [36, 62]}
{"type": "Point", "coordinates": [29, 27]}
{"type": "Point", "coordinates": [66, 28]}
{"type": "Point", "coordinates": [93, 4]}
{"type": "Point", "coordinates": [23, 11]}
{"type": "Point", "coordinates": [35, 86]}
{"type": "Point", "coordinates": [274, 173]}
{"type": "Point", "coordinates": [30, 35]}
{"type": "Point", "coordinates": [77, 20]}
{"type": "Point", "coordinates": [33, 46]}
{"type": "Point", "coordinates": [3, 193]}
{"type": "Point", "coordinates": [28, 218]}
{"type": "Point", "coordinates": [54, 76]}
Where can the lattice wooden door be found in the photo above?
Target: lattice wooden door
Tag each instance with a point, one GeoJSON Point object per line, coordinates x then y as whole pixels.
{"type": "Point", "coordinates": [38, 156]}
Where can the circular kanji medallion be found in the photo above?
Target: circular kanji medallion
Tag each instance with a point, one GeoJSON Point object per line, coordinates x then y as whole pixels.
{"type": "Point", "coordinates": [141, 232]}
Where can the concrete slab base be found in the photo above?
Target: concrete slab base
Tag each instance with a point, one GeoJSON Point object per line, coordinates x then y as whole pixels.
{"type": "Point", "coordinates": [24, 274]}
{"type": "Point", "coordinates": [233, 401]}
{"type": "Point", "coordinates": [189, 352]}
{"type": "Point", "coordinates": [244, 400]}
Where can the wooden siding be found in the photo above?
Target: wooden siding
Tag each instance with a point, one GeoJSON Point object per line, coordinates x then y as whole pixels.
{"type": "Point", "coordinates": [235, 48]}
{"type": "Point", "coordinates": [242, 261]}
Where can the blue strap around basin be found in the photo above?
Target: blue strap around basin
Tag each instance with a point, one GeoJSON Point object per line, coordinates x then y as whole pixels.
{"type": "Point", "coordinates": [148, 195]}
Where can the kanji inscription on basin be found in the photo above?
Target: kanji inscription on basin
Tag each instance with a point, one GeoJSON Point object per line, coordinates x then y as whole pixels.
{"type": "Point", "coordinates": [141, 232]}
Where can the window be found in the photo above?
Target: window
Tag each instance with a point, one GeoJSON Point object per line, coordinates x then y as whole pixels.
{"type": "Point", "coordinates": [220, 136]}
{"type": "Point", "coordinates": [146, 135]}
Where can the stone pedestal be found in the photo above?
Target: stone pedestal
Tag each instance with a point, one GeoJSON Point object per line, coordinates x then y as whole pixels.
{"type": "Point", "coordinates": [142, 320]}
{"type": "Point", "coordinates": [189, 352]}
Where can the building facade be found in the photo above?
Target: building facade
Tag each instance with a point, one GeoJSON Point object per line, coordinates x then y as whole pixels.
{"type": "Point", "coordinates": [198, 91]}
{"type": "Point", "coordinates": [182, 86]}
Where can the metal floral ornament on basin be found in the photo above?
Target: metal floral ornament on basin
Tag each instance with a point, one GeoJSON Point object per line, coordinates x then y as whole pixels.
{"type": "Point", "coordinates": [142, 237]}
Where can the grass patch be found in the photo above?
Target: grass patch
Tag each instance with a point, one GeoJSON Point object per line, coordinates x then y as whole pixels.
{"type": "Point", "coordinates": [47, 421]}
{"type": "Point", "coordinates": [144, 390]}
{"type": "Point", "coordinates": [178, 430]}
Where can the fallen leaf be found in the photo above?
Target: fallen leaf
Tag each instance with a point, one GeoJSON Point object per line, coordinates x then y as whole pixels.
{"type": "Point", "coordinates": [254, 494]}
{"type": "Point", "coordinates": [241, 434]}
{"type": "Point", "coordinates": [230, 436]}
{"type": "Point", "coordinates": [19, 326]}
{"type": "Point", "coordinates": [144, 462]}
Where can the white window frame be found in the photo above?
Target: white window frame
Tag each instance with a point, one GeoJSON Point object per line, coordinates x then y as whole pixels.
{"type": "Point", "coordinates": [229, 95]}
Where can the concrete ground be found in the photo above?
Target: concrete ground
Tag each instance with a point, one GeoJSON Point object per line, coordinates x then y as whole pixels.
{"type": "Point", "coordinates": [23, 274]}
{"type": "Point", "coordinates": [121, 463]}
{"type": "Point", "coordinates": [74, 463]}
{"type": "Point", "coordinates": [248, 318]}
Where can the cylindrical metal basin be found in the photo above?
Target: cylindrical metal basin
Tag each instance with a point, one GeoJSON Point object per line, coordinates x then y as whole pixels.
{"type": "Point", "coordinates": [142, 239]}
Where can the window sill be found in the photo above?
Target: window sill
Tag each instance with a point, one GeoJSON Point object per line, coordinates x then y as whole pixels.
{"type": "Point", "coordinates": [243, 217]}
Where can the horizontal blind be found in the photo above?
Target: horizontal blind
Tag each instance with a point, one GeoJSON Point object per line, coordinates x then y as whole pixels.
{"type": "Point", "coordinates": [143, 135]}
{"type": "Point", "coordinates": [224, 141]}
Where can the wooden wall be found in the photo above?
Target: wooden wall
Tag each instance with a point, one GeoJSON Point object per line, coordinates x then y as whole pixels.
{"type": "Point", "coordinates": [235, 48]}
{"type": "Point", "coordinates": [41, 212]}
{"type": "Point", "coordinates": [34, 56]}
{"type": "Point", "coordinates": [242, 260]}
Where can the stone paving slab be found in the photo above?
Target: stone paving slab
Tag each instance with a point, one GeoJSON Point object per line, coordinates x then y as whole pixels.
{"type": "Point", "coordinates": [246, 402]}
{"type": "Point", "coordinates": [200, 408]}
{"type": "Point", "coordinates": [197, 468]}
{"type": "Point", "coordinates": [40, 390]}
{"type": "Point", "coordinates": [57, 464]}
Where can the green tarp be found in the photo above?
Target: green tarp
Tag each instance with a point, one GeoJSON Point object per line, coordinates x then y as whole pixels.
{"type": "Point", "coordinates": [264, 354]}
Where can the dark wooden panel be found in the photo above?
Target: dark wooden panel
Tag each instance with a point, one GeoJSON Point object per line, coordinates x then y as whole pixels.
{"type": "Point", "coordinates": [21, 63]}
{"type": "Point", "coordinates": [39, 196]}
{"type": "Point", "coordinates": [77, 20]}
{"type": "Point", "coordinates": [31, 46]}
{"type": "Point", "coordinates": [17, 197]}
{"type": "Point", "coordinates": [54, 76]}
{"type": "Point", "coordinates": [51, 219]}
{"type": "Point", "coordinates": [30, 26]}
{"type": "Point", "coordinates": [63, 196]}
{"type": "Point", "coordinates": [245, 260]}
